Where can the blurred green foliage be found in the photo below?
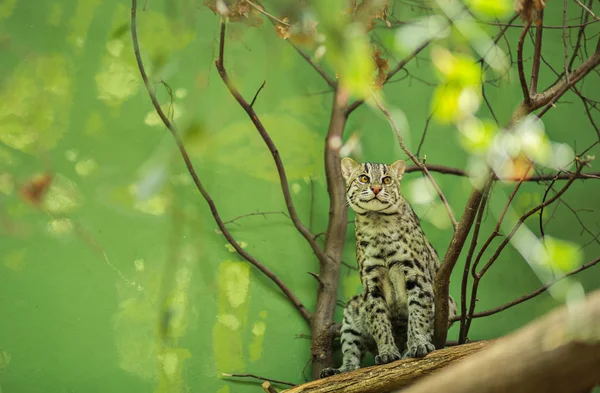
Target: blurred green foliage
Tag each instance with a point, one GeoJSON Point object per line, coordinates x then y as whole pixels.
{"type": "Point", "coordinates": [119, 279]}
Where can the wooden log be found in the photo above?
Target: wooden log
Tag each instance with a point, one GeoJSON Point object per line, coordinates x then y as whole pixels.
{"type": "Point", "coordinates": [558, 353]}
{"type": "Point", "coordinates": [387, 377]}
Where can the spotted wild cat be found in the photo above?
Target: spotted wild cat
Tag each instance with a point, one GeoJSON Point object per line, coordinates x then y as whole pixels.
{"type": "Point", "coordinates": [393, 317]}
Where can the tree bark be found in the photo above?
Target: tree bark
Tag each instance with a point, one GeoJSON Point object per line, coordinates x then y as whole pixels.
{"type": "Point", "coordinates": [557, 353]}
{"type": "Point", "coordinates": [379, 379]}
{"type": "Point", "coordinates": [329, 273]}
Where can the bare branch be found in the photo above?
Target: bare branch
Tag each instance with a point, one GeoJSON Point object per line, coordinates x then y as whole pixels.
{"type": "Point", "coordinates": [329, 272]}
{"type": "Point", "coordinates": [274, 152]}
{"type": "Point", "coordinates": [589, 11]}
{"type": "Point", "coordinates": [459, 172]}
{"type": "Point", "coordinates": [330, 81]}
{"type": "Point", "coordinates": [188, 163]}
{"type": "Point", "coordinates": [264, 214]}
{"type": "Point", "coordinates": [526, 96]}
{"type": "Point", "coordinates": [416, 161]}
{"type": "Point", "coordinates": [493, 235]}
{"type": "Point", "coordinates": [258, 377]}
{"type": "Point", "coordinates": [552, 94]}
{"type": "Point", "coordinates": [580, 35]}
{"type": "Point", "coordinates": [257, 92]}
{"type": "Point", "coordinates": [463, 289]}
{"type": "Point", "coordinates": [527, 215]}
{"type": "Point", "coordinates": [442, 278]}
{"type": "Point", "coordinates": [531, 295]}
{"type": "Point", "coordinates": [564, 36]}
{"type": "Point", "coordinates": [537, 54]}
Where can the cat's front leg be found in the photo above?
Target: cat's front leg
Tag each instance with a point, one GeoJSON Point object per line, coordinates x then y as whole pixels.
{"type": "Point", "coordinates": [419, 297]}
{"type": "Point", "coordinates": [378, 314]}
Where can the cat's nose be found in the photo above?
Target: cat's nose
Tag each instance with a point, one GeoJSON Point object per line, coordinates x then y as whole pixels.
{"type": "Point", "coordinates": [375, 189]}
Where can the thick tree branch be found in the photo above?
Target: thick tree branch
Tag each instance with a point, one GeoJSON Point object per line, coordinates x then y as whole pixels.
{"type": "Point", "coordinates": [272, 148]}
{"type": "Point", "coordinates": [442, 279]}
{"type": "Point", "coordinates": [414, 159]}
{"type": "Point", "coordinates": [558, 353]}
{"type": "Point", "coordinates": [322, 335]}
{"type": "Point", "coordinates": [188, 163]}
{"type": "Point", "coordinates": [385, 378]}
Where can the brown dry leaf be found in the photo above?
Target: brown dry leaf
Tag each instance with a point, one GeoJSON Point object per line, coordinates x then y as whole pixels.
{"type": "Point", "coordinates": [236, 11]}
{"type": "Point", "coordinates": [367, 11]}
{"type": "Point", "coordinates": [283, 30]}
{"type": "Point", "coordinates": [528, 10]}
{"type": "Point", "coordinates": [382, 66]}
{"type": "Point", "coordinates": [304, 33]}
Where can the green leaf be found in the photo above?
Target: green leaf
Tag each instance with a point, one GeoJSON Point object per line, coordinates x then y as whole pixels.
{"type": "Point", "coordinates": [561, 255]}
{"type": "Point", "coordinates": [445, 103]}
{"type": "Point", "coordinates": [490, 8]}
{"type": "Point", "coordinates": [356, 66]}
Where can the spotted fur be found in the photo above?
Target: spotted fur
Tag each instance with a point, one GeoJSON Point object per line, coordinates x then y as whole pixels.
{"type": "Point", "coordinates": [393, 317]}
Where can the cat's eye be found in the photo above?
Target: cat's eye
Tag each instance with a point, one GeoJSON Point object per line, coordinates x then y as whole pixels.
{"type": "Point", "coordinates": [363, 178]}
{"type": "Point", "coordinates": [387, 180]}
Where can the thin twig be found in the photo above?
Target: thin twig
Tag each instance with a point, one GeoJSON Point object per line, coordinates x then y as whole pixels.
{"type": "Point", "coordinates": [265, 13]}
{"type": "Point", "coordinates": [330, 81]}
{"type": "Point", "coordinates": [526, 96]}
{"type": "Point", "coordinates": [257, 92]}
{"type": "Point", "coordinates": [522, 219]}
{"type": "Point", "coordinates": [416, 161]}
{"type": "Point", "coordinates": [531, 295]}
{"type": "Point", "coordinates": [564, 37]}
{"type": "Point", "coordinates": [272, 148]}
{"type": "Point", "coordinates": [254, 214]}
{"type": "Point", "coordinates": [425, 132]}
{"type": "Point", "coordinates": [188, 163]}
{"type": "Point", "coordinates": [542, 234]}
{"type": "Point", "coordinates": [460, 172]}
{"type": "Point", "coordinates": [253, 376]}
{"type": "Point", "coordinates": [493, 235]}
{"type": "Point", "coordinates": [580, 35]}
{"type": "Point", "coordinates": [537, 54]}
{"type": "Point", "coordinates": [548, 27]}
{"type": "Point", "coordinates": [463, 289]}
{"type": "Point", "coordinates": [589, 11]}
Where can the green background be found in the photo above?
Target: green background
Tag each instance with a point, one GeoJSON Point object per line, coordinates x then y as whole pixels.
{"type": "Point", "coordinates": [123, 234]}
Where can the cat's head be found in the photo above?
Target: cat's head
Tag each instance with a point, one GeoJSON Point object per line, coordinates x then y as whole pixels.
{"type": "Point", "coordinates": [372, 187]}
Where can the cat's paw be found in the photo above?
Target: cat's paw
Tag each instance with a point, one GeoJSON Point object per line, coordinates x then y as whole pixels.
{"type": "Point", "coordinates": [387, 357]}
{"type": "Point", "coordinates": [328, 372]}
{"type": "Point", "coordinates": [418, 349]}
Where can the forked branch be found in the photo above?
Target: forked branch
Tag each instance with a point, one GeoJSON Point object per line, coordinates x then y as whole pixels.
{"type": "Point", "coordinates": [188, 163]}
{"type": "Point", "coordinates": [272, 148]}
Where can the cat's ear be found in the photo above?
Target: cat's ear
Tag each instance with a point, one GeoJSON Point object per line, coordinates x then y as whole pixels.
{"type": "Point", "coordinates": [398, 167]}
{"type": "Point", "coordinates": [348, 166]}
